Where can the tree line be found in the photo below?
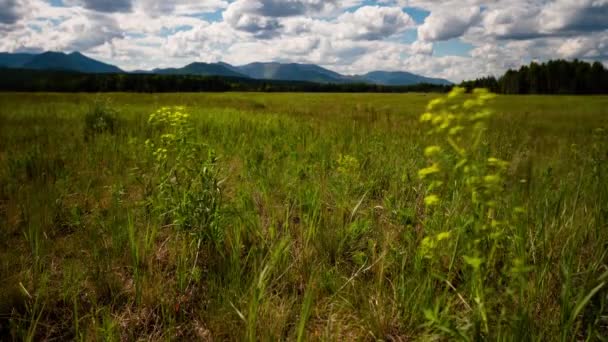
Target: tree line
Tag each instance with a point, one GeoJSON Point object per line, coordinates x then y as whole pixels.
{"type": "Point", "coordinates": [66, 81]}
{"type": "Point", "coordinates": [552, 77]}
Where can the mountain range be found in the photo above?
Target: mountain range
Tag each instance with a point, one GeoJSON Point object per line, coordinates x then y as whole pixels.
{"type": "Point", "coordinates": [78, 62]}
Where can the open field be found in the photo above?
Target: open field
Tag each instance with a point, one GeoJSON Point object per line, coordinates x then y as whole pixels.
{"type": "Point", "coordinates": [301, 217]}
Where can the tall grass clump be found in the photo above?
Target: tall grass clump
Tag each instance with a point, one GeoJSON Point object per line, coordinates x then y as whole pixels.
{"type": "Point", "coordinates": [187, 194]}
{"type": "Point", "coordinates": [101, 117]}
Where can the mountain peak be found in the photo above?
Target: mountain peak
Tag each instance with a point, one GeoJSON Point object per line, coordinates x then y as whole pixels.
{"type": "Point", "coordinates": [203, 69]}
{"type": "Point", "coordinates": [292, 72]}
{"type": "Point", "coordinates": [197, 63]}
{"type": "Point", "coordinates": [52, 53]}
{"type": "Point", "coordinates": [75, 61]}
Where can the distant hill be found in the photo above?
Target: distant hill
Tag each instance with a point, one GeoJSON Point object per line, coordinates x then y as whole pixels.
{"type": "Point", "coordinates": [274, 71]}
{"type": "Point", "coordinates": [233, 68]}
{"type": "Point", "coordinates": [201, 69]}
{"type": "Point", "coordinates": [315, 73]}
{"type": "Point", "coordinates": [74, 61]}
{"type": "Point", "coordinates": [292, 72]}
{"type": "Point", "coordinates": [393, 78]}
{"type": "Point", "coordinates": [14, 60]}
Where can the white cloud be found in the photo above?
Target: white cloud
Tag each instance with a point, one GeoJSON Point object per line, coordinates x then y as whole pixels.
{"type": "Point", "coordinates": [422, 48]}
{"type": "Point", "coordinates": [514, 21]}
{"type": "Point", "coordinates": [206, 42]}
{"type": "Point", "coordinates": [444, 25]}
{"type": "Point", "coordinates": [373, 23]}
{"type": "Point", "coordinates": [108, 6]}
{"type": "Point", "coordinates": [9, 13]}
{"type": "Point", "coordinates": [589, 47]}
{"type": "Point", "coordinates": [72, 29]}
{"type": "Point", "coordinates": [243, 17]}
{"type": "Point", "coordinates": [179, 7]}
{"type": "Point", "coordinates": [574, 15]}
{"type": "Point", "coordinates": [261, 17]}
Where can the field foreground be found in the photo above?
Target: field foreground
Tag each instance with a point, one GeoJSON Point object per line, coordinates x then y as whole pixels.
{"type": "Point", "coordinates": [303, 217]}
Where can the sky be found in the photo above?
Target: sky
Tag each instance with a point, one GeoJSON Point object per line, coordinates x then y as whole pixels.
{"type": "Point", "coordinates": [453, 39]}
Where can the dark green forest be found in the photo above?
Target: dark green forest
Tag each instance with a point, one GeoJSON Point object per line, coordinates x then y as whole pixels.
{"type": "Point", "coordinates": [552, 77]}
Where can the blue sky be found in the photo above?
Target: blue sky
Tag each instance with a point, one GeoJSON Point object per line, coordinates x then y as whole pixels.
{"type": "Point", "coordinates": [454, 39]}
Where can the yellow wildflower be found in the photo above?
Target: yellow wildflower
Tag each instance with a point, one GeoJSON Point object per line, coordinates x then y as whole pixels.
{"type": "Point", "coordinates": [431, 200]}
{"type": "Point", "coordinates": [432, 151]}
{"type": "Point", "coordinates": [423, 173]}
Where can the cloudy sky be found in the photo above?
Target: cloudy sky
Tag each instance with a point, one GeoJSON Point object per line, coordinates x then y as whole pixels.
{"type": "Point", "coordinates": [454, 39]}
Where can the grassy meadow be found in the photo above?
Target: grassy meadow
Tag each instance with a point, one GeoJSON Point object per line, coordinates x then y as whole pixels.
{"type": "Point", "coordinates": [246, 216]}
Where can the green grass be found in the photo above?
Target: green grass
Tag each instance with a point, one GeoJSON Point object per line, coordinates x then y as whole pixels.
{"type": "Point", "coordinates": [308, 221]}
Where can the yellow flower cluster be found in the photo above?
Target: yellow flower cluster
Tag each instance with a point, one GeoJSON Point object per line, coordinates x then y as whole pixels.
{"type": "Point", "coordinates": [175, 121]}
{"type": "Point", "coordinates": [458, 122]}
{"type": "Point", "coordinates": [461, 122]}
{"type": "Point", "coordinates": [347, 164]}
{"type": "Point", "coordinates": [430, 243]}
{"type": "Point", "coordinates": [449, 115]}
{"type": "Point", "coordinates": [171, 116]}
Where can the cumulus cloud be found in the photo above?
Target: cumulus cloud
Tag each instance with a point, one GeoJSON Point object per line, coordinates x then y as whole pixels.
{"type": "Point", "coordinates": [528, 20]}
{"type": "Point", "coordinates": [422, 48]}
{"type": "Point", "coordinates": [281, 8]}
{"type": "Point", "coordinates": [373, 22]}
{"type": "Point", "coordinates": [206, 42]}
{"type": "Point", "coordinates": [88, 32]}
{"type": "Point", "coordinates": [444, 25]}
{"type": "Point", "coordinates": [514, 21]}
{"type": "Point", "coordinates": [81, 31]}
{"type": "Point", "coordinates": [179, 7]}
{"type": "Point", "coordinates": [589, 47]}
{"type": "Point", "coordinates": [249, 16]}
{"type": "Point", "coordinates": [151, 7]}
{"type": "Point", "coordinates": [263, 17]}
{"type": "Point", "coordinates": [9, 12]}
{"type": "Point", "coordinates": [104, 5]}
{"type": "Point", "coordinates": [575, 16]}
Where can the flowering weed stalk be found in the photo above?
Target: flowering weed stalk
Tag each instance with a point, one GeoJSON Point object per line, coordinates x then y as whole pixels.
{"type": "Point", "coordinates": [474, 228]}
{"type": "Point", "coordinates": [188, 193]}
